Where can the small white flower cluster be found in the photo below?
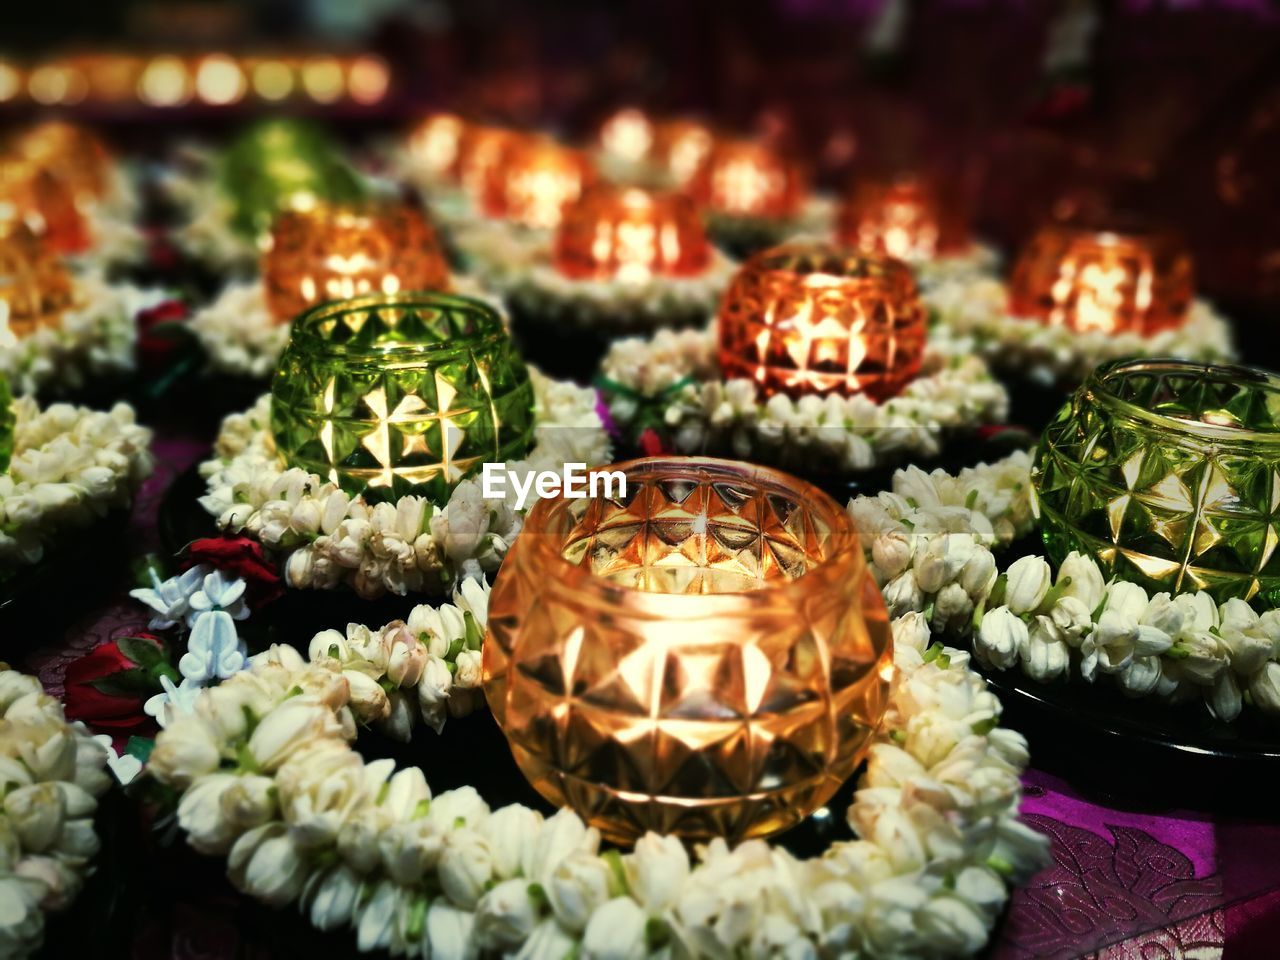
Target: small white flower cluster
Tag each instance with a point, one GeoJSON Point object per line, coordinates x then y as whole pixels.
{"type": "Point", "coordinates": [974, 312]}
{"type": "Point", "coordinates": [1178, 648]}
{"type": "Point", "coordinates": [206, 235]}
{"type": "Point", "coordinates": [331, 538]}
{"type": "Point", "coordinates": [976, 261]}
{"type": "Point", "coordinates": [929, 543]}
{"type": "Point", "coordinates": [51, 774]}
{"type": "Point", "coordinates": [238, 333]}
{"type": "Point", "coordinates": [69, 466]}
{"type": "Point", "coordinates": [705, 413]}
{"type": "Point", "coordinates": [94, 338]}
{"type": "Point", "coordinates": [112, 224]}
{"type": "Point", "coordinates": [269, 778]}
{"type": "Point", "coordinates": [241, 337]}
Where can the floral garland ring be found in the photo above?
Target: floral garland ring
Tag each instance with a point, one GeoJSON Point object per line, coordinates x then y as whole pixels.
{"type": "Point", "coordinates": [241, 338]}
{"type": "Point", "coordinates": [671, 383]}
{"type": "Point", "coordinates": [51, 775]}
{"type": "Point", "coordinates": [516, 262]}
{"type": "Point", "coordinates": [69, 465]}
{"type": "Point", "coordinates": [328, 538]}
{"type": "Point", "coordinates": [974, 313]}
{"type": "Point", "coordinates": [929, 541]}
{"type": "Point", "coordinates": [269, 776]}
{"type": "Point", "coordinates": [96, 337]}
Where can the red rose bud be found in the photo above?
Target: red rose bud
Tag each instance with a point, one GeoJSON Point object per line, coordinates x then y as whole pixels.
{"type": "Point", "coordinates": [156, 343]}
{"type": "Point", "coordinates": [107, 690]}
{"type": "Point", "coordinates": [651, 444]}
{"type": "Point", "coordinates": [240, 557]}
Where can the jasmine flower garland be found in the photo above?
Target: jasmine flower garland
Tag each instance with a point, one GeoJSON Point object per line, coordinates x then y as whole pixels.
{"type": "Point", "coordinates": [327, 538]}
{"type": "Point", "coordinates": [70, 465]}
{"type": "Point", "coordinates": [930, 542]}
{"type": "Point", "coordinates": [269, 777]}
{"type": "Point", "coordinates": [51, 774]}
{"type": "Point", "coordinates": [95, 338]}
{"type": "Point", "coordinates": [973, 312]}
{"type": "Point", "coordinates": [672, 380]}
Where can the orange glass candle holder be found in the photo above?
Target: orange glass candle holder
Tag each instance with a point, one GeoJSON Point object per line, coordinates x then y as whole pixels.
{"type": "Point", "coordinates": [817, 318]}
{"type": "Point", "coordinates": [533, 180]}
{"type": "Point", "coordinates": [706, 655]}
{"type": "Point", "coordinates": [627, 134]}
{"type": "Point", "coordinates": [479, 150]}
{"type": "Point", "coordinates": [742, 178]}
{"type": "Point", "coordinates": [1108, 281]}
{"type": "Point", "coordinates": [35, 285]}
{"type": "Point", "coordinates": [45, 203]}
{"type": "Point", "coordinates": [434, 144]}
{"type": "Point", "coordinates": [629, 234]}
{"type": "Point", "coordinates": [339, 252]}
{"type": "Point", "coordinates": [902, 218]}
{"type": "Point", "coordinates": [71, 153]}
{"type": "Point", "coordinates": [681, 146]}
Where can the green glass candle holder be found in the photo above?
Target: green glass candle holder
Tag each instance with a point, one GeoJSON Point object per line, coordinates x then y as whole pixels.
{"type": "Point", "coordinates": [278, 164]}
{"type": "Point", "coordinates": [394, 394]}
{"type": "Point", "coordinates": [1168, 473]}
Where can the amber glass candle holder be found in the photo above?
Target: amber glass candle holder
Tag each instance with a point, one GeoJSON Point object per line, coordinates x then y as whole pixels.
{"type": "Point", "coordinates": [1100, 280]}
{"type": "Point", "coordinates": [630, 235]}
{"type": "Point", "coordinates": [35, 285]}
{"type": "Point", "coordinates": [627, 134]}
{"type": "Point", "coordinates": [741, 178]}
{"type": "Point", "coordinates": [533, 180]}
{"type": "Point", "coordinates": [479, 151]}
{"type": "Point", "coordinates": [706, 655]}
{"type": "Point", "coordinates": [900, 218]}
{"type": "Point", "coordinates": [681, 146]}
{"type": "Point", "coordinates": [45, 203]}
{"type": "Point", "coordinates": [400, 394]}
{"type": "Point", "coordinates": [1168, 473]}
{"type": "Point", "coordinates": [334, 252]}
{"type": "Point", "coordinates": [71, 153]}
{"type": "Point", "coordinates": [813, 318]}
{"type": "Point", "coordinates": [434, 143]}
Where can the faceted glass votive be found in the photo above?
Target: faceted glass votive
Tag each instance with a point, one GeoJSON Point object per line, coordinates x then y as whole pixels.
{"type": "Point", "coordinates": [44, 202]}
{"type": "Point", "coordinates": [397, 394]}
{"type": "Point", "coordinates": [627, 134]}
{"type": "Point", "coordinates": [532, 181]}
{"type": "Point", "coordinates": [1168, 473]}
{"type": "Point", "coordinates": [479, 151]}
{"type": "Point", "coordinates": [332, 252]}
{"type": "Point", "coordinates": [742, 178]}
{"type": "Point", "coordinates": [35, 285]}
{"type": "Point", "coordinates": [282, 165]}
{"type": "Point", "coordinates": [1109, 281]}
{"type": "Point", "coordinates": [899, 218]}
{"type": "Point", "coordinates": [706, 655]}
{"type": "Point", "coordinates": [433, 144]}
{"type": "Point", "coordinates": [680, 146]}
{"type": "Point", "coordinates": [630, 234]}
{"type": "Point", "coordinates": [816, 318]}
{"type": "Point", "coordinates": [71, 153]}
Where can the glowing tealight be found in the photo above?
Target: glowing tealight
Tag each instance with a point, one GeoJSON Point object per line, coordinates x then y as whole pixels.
{"type": "Point", "coordinates": [628, 134]}
{"type": "Point", "coordinates": [219, 80]}
{"type": "Point", "coordinates": [322, 79]}
{"type": "Point", "coordinates": [532, 181]}
{"type": "Point", "coordinates": [900, 218]}
{"type": "Point", "coordinates": [272, 79]}
{"type": "Point", "coordinates": [746, 179]}
{"type": "Point", "coordinates": [165, 82]}
{"type": "Point", "coordinates": [367, 80]}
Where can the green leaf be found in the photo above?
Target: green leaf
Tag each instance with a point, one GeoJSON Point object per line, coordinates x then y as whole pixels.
{"type": "Point", "coordinates": [143, 651]}
{"type": "Point", "coordinates": [140, 747]}
{"type": "Point", "coordinates": [128, 683]}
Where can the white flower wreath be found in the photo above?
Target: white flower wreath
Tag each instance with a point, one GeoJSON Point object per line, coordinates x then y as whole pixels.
{"type": "Point", "coordinates": [51, 774]}
{"type": "Point", "coordinates": [96, 337]}
{"type": "Point", "coordinates": [241, 337]}
{"type": "Point", "coordinates": [69, 466]}
{"type": "Point", "coordinates": [269, 777]}
{"type": "Point", "coordinates": [329, 538]}
{"type": "Point", "coordinates": [929, 541]}
{"type": "Point", "coordinates": [516, 262]}
{"type": "Point", "coordinates": [974, 312]}
{"type": "Point", "coordinates": [677, 371]}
